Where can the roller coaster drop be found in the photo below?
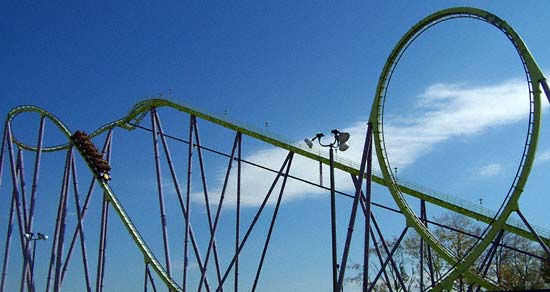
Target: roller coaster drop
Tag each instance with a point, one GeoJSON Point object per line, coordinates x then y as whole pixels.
{"type": "Point", "coordinates": [23, 211]}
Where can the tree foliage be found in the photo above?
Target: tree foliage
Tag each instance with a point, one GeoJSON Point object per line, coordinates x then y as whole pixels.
{"type": "Point", "coordinates": [515, 265]}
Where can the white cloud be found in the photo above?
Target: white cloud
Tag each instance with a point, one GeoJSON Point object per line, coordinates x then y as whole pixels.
{"type": "Point", "coordinates": [491, 170]}
{"type": "Point", "coordinates": [452, 110]}
{"type": "Point", "coordinates": [444, 111]}
{"type": "Point", "coordinates": [543, 156]}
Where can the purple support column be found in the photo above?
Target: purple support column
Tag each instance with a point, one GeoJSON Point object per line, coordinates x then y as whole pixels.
{"type": "Point", "coordinates": [488, 259]}
{"type": "Point", "coordinates": [238, 219]}
{"type": "Point", "coordinates": [541, 242]}
{"type": "Point", "coordinates": [151, 279]}
{"type": "Point", "coordinates": [10, 222]}
{"type": "Point", "coordinates": [358, 185]}
{"type": "Point", "coordinates": [365, 205]}
{"type": "Point", "coordinates": [35, 182]}
{"type": "Point", "coordinates": [22, 187]}
{"type": "Point", "coordinates": [275, 212]}
{"type": "Point", "coordinates": [205, 192]}
{"type": "Point", "coordinates": [7, 246]}
{"type": "Point", "coordinates": [185, 206]}
{"type": "Point", "coordinates": [254, 221]}
{"type": "Point", "coordinates": [80, 227]}
{"type": "Point", "coordinates": [56, 238]}
{"type": "Point", "coordinates": [379, 254]}
{"type": "Point", "coordinates": [187, 200]}
{"type": "Point", "coordinates": [178, 190]}
{"type": "Point", "coordinates": [160, 192]}
{"type": "Point", "coordinates": [102, 245]}
{"type": "Point", "coordinates": [545, 88]}
{"type": "Point", "coordinates": [145, 278]}
{"type": "Point", "coordinates": [218, 211]}
{"type": "Point", "coordinates": [15, 171]}
{"type": "Point", "coordinates": [421, 270]}
{"type": "Point", "coordinates": [61, 240]}
{"type": "Point", "coordinates": [367, 214]}
{"type": "Point", "coordinates": [396, 269]}
{"type": "Point", "coordinates": [78, 231]}
{"type": "Point", "coordinates": [103, 235]}
{"type": "Point", "coordinates": [25, 273]}
{"type": "Point", "coordinates": [390, 255]}
{"type": "Point", "coordinates": [423, 218]}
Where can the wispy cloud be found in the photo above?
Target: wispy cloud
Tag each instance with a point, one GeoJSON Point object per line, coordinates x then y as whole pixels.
{"type": "Point", "coordinates": [444, 111]}
{"type": "Point", "coordinates": [544, 156]}
{"type": "Point", "coordinates": [490, 170]}
{"type": "Point", "coordinates": [454, 110]}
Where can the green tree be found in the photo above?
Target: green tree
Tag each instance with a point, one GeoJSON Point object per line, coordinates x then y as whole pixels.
{"type": "Point", "coordinates": [512, 268]}
{"type": "Point", "coordinates": [406, 272]}
{"type": "Point", "coordinates": [516, 270]}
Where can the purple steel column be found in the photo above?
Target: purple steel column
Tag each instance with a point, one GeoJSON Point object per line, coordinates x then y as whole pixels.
{"type": "Point", "coordinates": [390, 255]}
{"type": "Point", "coordinates": [358, 185]}
{"type": "Point", "coordinates": [541, 242]}
{"type": "Point", "coordinates": [25, 273]}
{"type": "Point", "coordinates": [491, 253]}
{"type": "Point", "coordinates": [488, 259]}
{"type": "Point", "coordinates": [423, 217]}
{"type": "Point", "coordinates": [9, 230]}
{"type": "Point", "coordinates": [61, 240]}
{"type": "Point", "coordinates": [62, 199]}
{"type": "Point", "coordinates": [205, 192]}
{"type": "Point", "coordinates": [102, 245]}
{"type": "Point", "coordinates": [15, 172]}
{"type": "Point", "coordinates": [187, 200]}
{"type": "Point", "coordinates": [81, 232]}
{"type": "Point", "coordinates": [545, 88]}
{"type": "Point", "coordinates": [35, 181]}
{"type": "Point", "coordinates": [379, 254]}
{"type": "Point", "coordinates": [368, 194]}
{"type": "Point", "coordinates": [238, 218]}
{"type": "Point", "coordinates": [8, 138]}
{"type": "Point", "coordinates": [7, 246]}
{"type": "Point", "coordinates": [151, 280]}
{"type": "Point", "coordinates": [84, 208]}
{"type": "Point", "coordinates": [422, 211]}
{"type": "Point", "coordinates": [103, 234]}
{"type": "Point", "coordinates": [218, 211]}
{"type": "Point", "coordinates": [160, 193]}
{"type": "Point", "coordinates": [14, 175]}
{"type": "Point", "coordinates": [366, 210]}
{"type": "Point", "coordinates": [182, 206]}
{"type": "Point", "coordinates": [254, 221]}
{"type": "Point", "coordinates": [22, 187]}
{"type": "Point", "coordinates": [275, 212]}
{"type": "Point", "coordinates": [397, 272]}
{"type": "Point", "coordinates": [333, 223]}
{"type": "Point", "coordinates": [145, 278]}
{"type": "Point", "coordinates": [186, 215]}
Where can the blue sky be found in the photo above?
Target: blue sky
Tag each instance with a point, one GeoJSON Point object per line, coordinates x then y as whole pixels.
{"type": "Point", "coordinates": [301, 67]}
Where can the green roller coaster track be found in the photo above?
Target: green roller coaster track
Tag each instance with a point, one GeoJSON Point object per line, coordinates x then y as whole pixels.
{"type": "Point", "coordinates": [497, 221]}
{"type": "Point", "coordinates": [462, 266]}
